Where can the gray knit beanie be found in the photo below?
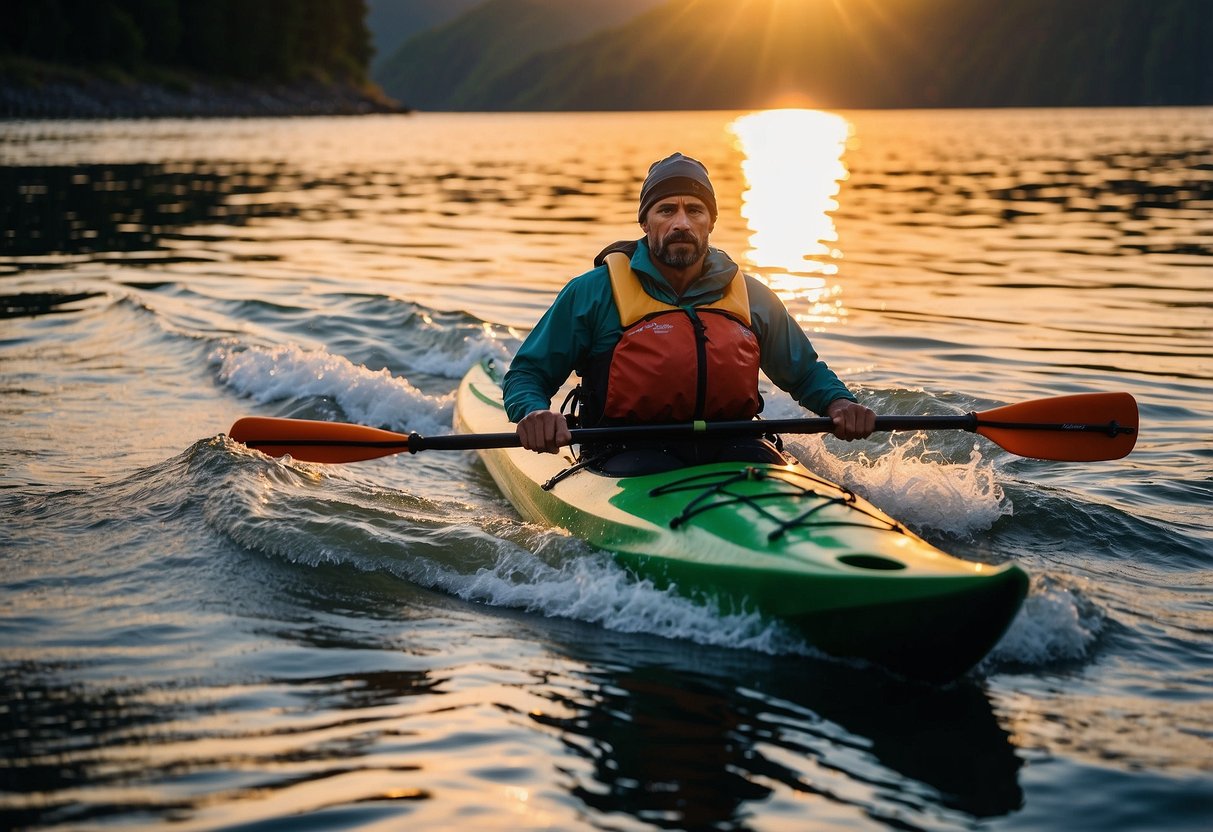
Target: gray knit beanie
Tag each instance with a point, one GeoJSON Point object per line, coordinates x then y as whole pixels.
{"type": "Point", "coordinates": [677, 175]}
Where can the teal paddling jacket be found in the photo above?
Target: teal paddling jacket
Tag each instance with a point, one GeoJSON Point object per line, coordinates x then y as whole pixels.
{"type": "Point", "coordinates": [583, 322]}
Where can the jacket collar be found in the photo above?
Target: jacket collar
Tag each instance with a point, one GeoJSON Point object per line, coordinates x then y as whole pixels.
{"type": "Point", "coordinates": [718, 270]}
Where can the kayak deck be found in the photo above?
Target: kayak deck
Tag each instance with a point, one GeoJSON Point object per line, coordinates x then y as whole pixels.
{"type": "Point", "coordinates": [776, 539]}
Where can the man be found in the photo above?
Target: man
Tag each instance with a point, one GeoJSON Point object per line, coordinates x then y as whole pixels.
{"type": "Point", "coordinates": [696, 334]}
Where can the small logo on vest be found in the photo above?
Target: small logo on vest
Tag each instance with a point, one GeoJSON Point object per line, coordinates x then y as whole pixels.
{"type": "Point", "coordinates": [654, 328]}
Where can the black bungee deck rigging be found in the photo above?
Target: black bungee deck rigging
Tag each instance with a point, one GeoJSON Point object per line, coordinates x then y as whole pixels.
{"type": "Point", "coordinates": [714, 493]}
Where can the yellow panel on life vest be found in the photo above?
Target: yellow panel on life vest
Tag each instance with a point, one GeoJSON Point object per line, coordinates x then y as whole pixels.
{"type": "Point", "coordinates": [634, 303]}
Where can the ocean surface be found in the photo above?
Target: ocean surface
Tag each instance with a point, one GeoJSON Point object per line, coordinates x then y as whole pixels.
{"type": "Point", "coordinates": [197, 636]}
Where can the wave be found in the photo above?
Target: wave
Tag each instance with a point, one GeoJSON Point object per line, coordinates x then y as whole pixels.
{"type": "Point", "coordinates": [314, 517]}
{"type": "Point", "coordinates": [1056, 625]}
{"type": "Point", "coordinates": [364, 396]}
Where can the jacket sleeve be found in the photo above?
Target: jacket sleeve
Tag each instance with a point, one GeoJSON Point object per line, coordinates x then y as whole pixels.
{"type": "Point", "coordinates": [557, 346]}
{"type": "Point", "coordinates": [788, 357]}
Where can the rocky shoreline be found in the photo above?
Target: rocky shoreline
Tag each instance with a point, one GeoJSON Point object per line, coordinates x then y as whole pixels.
{"type": "Point", "coordinates": [103, 99]}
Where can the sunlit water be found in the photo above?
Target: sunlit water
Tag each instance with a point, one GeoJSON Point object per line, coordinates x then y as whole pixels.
{"type": "Point", "coordinates": [195, 635]}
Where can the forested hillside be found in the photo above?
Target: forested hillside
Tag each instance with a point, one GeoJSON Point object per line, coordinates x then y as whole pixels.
{"type": "Point", "coordinates": [710, 54]}
{"type": "Point", "coordinates": [246, 39]}
{"type": "Point", "coordinates": [135, 58]}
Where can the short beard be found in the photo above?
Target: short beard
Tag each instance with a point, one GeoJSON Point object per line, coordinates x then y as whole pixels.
{"type": "Point", "coordinates": [680, 261]}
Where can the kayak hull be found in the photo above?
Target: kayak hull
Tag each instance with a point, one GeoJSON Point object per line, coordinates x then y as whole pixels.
{"type": "Point", "coordinates": [772, 539]}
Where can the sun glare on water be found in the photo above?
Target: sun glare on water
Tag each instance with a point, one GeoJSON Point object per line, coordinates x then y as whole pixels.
{"type": "Point", "coordinates": [793, 169]}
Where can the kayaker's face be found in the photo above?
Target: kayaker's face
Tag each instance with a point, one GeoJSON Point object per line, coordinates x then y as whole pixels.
{"type": "Point", "coordinates": [677, 228]}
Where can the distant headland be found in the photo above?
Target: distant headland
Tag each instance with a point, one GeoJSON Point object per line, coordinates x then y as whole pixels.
{"type": "Point", "coordinates": [59, 93]}
{"type": "Point", "coordinates": [181, 58]}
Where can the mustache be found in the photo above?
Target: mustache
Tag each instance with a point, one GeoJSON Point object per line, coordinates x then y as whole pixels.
{"type": "Point", "coordinates": [681, 237]}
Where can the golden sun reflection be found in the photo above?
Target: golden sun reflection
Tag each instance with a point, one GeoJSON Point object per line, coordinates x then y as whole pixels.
{"type": "Point", "coordinates": [793, 170]}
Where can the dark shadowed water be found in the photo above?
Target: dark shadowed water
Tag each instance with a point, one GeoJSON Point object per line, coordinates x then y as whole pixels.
{"type": "Point", "coordinates": [195, 636]}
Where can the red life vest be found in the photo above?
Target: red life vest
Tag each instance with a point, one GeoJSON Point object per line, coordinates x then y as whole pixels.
{"type": "Point", "coordinates": [675, 364]}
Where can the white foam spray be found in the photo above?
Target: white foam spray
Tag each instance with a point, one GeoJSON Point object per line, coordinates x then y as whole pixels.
{"type": "Point", "coordinates": [453, 362]}
{"type": "Point", "coordinates": [919, 487]}
{"type": "Point", "coordinates": [366, 396]}
{"type": "Point", "coordinates": [593, 588]}
{"type": "Point", "coordinates": [526, 567]}
{"type": "Point", "coordinates": [1055, 625]}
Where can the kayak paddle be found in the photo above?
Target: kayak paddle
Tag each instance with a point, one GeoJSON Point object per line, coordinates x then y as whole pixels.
{"type": "Point", "coordinates": [1079, 428]}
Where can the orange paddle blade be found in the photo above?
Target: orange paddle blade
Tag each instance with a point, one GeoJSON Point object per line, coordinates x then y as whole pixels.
{"type": "Point", "coordinates": [313, 441]}
{"type": "Point", "coordinates": [1080, 428]}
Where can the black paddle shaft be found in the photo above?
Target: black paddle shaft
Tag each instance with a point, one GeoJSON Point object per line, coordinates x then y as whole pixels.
{"type": "Point", "coordinates": [691, 430]}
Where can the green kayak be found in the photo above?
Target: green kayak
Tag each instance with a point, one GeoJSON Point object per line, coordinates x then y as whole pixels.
{"type": "Point", "coordinates": [776, 539]}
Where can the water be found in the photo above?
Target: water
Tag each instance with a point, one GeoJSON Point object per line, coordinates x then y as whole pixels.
{"type": "Point", "coordinates": [194, 635]}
